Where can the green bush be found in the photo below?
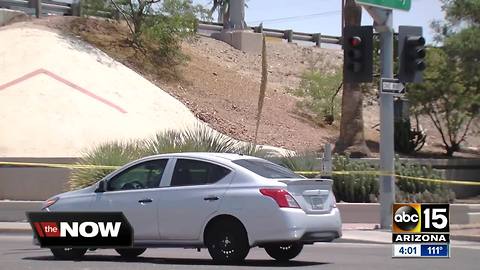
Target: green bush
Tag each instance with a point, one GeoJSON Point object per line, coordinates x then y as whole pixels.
{"type": "Point", "coordinates": [156, 28]}
{"type": "Point", "coordinates": [363, 186]}
{"type": "Point", "coordinates": [197, 139]}
{"type": "Point", "coordinates": [319, 93]}
{"type": "Point", "coordinates": [410, 190]}
{"type": "Point", "coordinates": [164, 30]}
{"type": "Point", "coordinates": [354, 187]}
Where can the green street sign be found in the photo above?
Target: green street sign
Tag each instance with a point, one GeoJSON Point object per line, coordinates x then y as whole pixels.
{"type": "Point", "coordinates": [388, 4]}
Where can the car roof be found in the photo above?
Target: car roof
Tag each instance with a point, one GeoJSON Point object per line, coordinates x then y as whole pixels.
{"type": "Point", "coordinates": [208, 155]}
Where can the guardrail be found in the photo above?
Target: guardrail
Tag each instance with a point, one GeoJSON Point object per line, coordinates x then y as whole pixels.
{"type": "Point", "coordinates": [288, 35]}
{"type": "Point", "coordinates": [43, 6]}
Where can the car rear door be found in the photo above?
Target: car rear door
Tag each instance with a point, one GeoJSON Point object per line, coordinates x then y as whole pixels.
{"type": "Point", "coordinates": [193, 195]}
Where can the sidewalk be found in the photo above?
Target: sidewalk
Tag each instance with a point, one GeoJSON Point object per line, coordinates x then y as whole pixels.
{"type": "Point", "coordinates": [368, 232]}
{"type": "Point", "coordinates": [352, 232]}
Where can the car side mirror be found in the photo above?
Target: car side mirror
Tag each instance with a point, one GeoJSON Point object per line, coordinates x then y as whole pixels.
{"type": "Point", "coordinates": [101, 187]}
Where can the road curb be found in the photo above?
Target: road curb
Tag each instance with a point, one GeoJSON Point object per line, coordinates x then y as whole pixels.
{"type": "Point", "coordinates": [359, 241]}
{"type": "Point", "coordinates": [470, 238]}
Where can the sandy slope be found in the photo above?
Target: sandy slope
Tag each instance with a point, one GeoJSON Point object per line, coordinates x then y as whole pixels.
{"type": "Point", "coordinates": [59, 95]}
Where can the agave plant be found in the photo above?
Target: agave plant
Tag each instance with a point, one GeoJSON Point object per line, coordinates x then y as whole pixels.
{"type": "Point", "coordinates": [306, 161]}
{"type": "Point", "coordinates": [199, 138]}
{"type": "Point", "coordinates": [106, 154]}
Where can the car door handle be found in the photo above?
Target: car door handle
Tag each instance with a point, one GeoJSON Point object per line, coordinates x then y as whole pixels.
{"type": "Point", "coordinates": [210, 198]}
{"type": "Point", "coordinates": [142, 201]}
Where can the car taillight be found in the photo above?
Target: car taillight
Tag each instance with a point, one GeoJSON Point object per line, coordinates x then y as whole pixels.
{"type": "Point", "coordinates": [281, 196]}
{"type": "Point", "coordinates": [334, 202]}
{"type": "Point", "coordinates": [49, 202]}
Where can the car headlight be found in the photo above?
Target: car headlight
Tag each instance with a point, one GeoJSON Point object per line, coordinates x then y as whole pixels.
{"type": "Point", "coordinates": [49, 202]}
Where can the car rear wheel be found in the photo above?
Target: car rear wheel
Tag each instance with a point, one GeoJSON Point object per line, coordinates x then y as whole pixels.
{"type": "Point", "coordinates": [130, 253]}
{"type": "Point", "coordinates": [284, 252]}
{"type": "Point", "coordinates": [68, 253]}
{"type": "Point", "coordinates": [227, 242]}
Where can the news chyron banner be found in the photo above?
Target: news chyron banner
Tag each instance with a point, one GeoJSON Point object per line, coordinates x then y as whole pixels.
{"type": "Point", "coordinates": [81, 229]}
{"type": "Point", "coordinates": [421, 230]}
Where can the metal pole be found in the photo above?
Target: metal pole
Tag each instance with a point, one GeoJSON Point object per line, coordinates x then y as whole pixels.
{"type": "Point", "coordinates": [387, 183]}
{"type": "Point", "coordinates": [38, 8]}
{"type": "Point", "coordinates": [237, 14]}
{"type": "Point", "coordinates": [327, 162]}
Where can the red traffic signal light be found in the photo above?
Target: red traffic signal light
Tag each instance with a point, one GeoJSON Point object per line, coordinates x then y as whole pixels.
{"type": "Point", "coordinates": [355, 41]}
{"type": "Point", "coordinates": [358, 54]}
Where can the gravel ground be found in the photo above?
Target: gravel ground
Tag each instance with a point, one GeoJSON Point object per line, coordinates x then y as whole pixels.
{"type": "Point", "coordinates": [220, 85]}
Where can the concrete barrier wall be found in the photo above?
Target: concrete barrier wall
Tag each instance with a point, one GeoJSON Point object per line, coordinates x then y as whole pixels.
{"type": "Point", "coordinates": [15, 210]}
{"type": "Point", "coordinates": [33, 183]}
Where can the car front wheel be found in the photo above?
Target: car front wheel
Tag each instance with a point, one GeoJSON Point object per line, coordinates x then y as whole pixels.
{"type": "Point", "coordinates": [130, 253]}
{"type": "Point", "coordinates": [68, 253]}
{"type": "Point", "coordinates": [284, 252]}
{"type": "Point", "coordinates": [227, 242]}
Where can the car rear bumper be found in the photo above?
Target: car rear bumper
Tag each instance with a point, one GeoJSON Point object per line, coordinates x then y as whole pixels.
{"type": "Point", "coordinates": [296, 225]}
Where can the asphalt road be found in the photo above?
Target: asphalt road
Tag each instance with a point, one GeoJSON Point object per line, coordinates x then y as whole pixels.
{"type": "Point", "coordinates": [17, 252]}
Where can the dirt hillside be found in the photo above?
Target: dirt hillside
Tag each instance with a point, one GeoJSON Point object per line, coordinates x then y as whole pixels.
{"type": "Point", "coordinates": [220, 85]}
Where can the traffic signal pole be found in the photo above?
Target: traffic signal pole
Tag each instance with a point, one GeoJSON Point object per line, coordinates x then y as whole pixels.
{"type": "Point", "coordinates": [387, 154]}
{"type": "Point", "coordinates": [384, 25]}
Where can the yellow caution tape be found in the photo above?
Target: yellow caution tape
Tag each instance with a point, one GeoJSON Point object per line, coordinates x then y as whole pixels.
{"type": "Point", "coordinates": [63, 166]}
{"type": "Point", "coordinates": [377, 173]}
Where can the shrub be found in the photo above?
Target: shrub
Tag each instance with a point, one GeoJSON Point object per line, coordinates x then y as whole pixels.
{"type": "Point", "coordinates": [319, 93]}
{"type": "Point", "coordinates": [354, 187]}
{"type": "Point", "coordinates": [156, 28]}
{"type": "Point", "coordinates": [107, 154]}
{"type": "Point", "coordinates": [410, 190]}
{"type": "Point", "coordinates": [197, 139]}
{"type": "Point", "coordinates": [363, 186]}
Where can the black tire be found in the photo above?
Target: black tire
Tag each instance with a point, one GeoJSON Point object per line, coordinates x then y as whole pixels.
{"type": "Point", "coordinates": [227, 242]}
{"type": "Point", "coordinates": [284, 252]}
{"type": "Point", "coordinates": [68, 253]}
{"type": "Point", "coordinates": [130, 253]}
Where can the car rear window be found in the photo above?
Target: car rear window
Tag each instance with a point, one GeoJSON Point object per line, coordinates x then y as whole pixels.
{"type": "Point", "coordinates": [266, 169]}
{"type": "Point", "coordinates": [190, 172]}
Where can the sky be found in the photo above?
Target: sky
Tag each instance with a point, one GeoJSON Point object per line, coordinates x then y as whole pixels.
{"type": "Point", "coordinates": [324, 16]}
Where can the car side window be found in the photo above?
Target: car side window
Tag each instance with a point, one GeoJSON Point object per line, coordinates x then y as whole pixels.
{"type": "Point", "coordinates": [190, 172]}
{"type": "Point", "coordinates": [141, 176]}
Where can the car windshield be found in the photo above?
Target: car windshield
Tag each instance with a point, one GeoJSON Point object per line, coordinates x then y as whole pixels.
{"type": "Point", "coordinates": [266, 169]}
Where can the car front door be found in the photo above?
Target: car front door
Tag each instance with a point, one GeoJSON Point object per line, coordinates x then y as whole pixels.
{"type": "Point", "coordinates": [194, 194]}
{"type": "Point", "coordinates": [134, 191]}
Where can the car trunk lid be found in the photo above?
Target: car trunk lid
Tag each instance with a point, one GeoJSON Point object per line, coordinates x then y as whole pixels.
{"type": "Point", "coordinates": [313, 195]}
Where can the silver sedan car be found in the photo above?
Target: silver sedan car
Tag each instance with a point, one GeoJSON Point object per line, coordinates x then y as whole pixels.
{"type": "Point", "coordinates": [227, 203]}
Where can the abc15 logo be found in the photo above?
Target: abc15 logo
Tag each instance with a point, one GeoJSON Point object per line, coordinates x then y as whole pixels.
{"type": "Point", "coordinates": [420, 218]}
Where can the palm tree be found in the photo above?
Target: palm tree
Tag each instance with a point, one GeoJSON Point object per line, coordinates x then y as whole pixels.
{"type": "Point", "coordinates": [223, 8]}
{"type": "Point", "coordinates": [352, 139]}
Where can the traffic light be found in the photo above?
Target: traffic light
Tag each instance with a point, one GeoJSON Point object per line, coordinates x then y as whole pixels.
{"type": "Point", "coordinates": [358, 54]}
{"type": "Point", "coordinates": [411, 53]}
